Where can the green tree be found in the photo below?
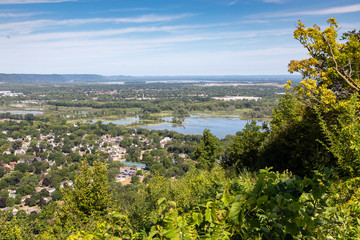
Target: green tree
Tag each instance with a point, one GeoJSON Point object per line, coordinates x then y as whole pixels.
{"type": "Point", "coordinates": [330, 86]}
{"type": "Point", "coordinates": [30, 180]}
{"type": "Point", "coordinates": [3, 171]}
{"type": "Point", "coordinates": [16, 145]}
{"type": "Point", "coordinates": [10, 202]}
{"type": "Point", "coordinates": [293, 143]}
{"type": "Point", "coordinates": [24, 190]}
{"type": "Point", "coordinates": [208, 150]}
{"type": "Point", "coordinates": [2, 202]}
{"type": "Point", "coordinates": [133, 154]}
{"type": "Point", "coordinates": [90, 195]}
{"type": "Point", "coordinates": [343, 138]}
{"type": "Point", "coordinates": [44, 193]}
{"type": "Point", "coordinates": [56, 195]}
{"type": "Point", "coordinates": [31, 201]}
{"type": "Point", "coordinates": [135, 179]}
{"type": "Point", "coordinates": [126, 142]}
{"type": "Point", "coordinates": [17, 199]}
{"type": "Point", "coordinates": [21, 167]}
{"type": "Point", "coordinates": [331, 74]}
{"type": "Point", "coordinates": [244, 150]}
{"type": "Point", "coordinates": [29, 117]}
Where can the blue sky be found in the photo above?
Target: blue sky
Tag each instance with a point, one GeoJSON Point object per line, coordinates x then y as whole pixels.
{"type": "Point", "coordinates": [160, 37]}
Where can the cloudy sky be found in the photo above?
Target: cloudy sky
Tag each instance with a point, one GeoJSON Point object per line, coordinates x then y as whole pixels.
{"type": "Point", "coordinates": [160, 37]}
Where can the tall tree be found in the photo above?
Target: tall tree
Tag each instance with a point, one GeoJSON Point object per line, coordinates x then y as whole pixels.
{"type": "Point", "coordinates": [208, 150]}
{"type": "Point", "coordinates": [244, 150]}
{"type": "Point", "coordinates": [330, 87]}
{"type": "Point", "coordinates": [331, 74]}
{"type": "Point", "coordinates": [90, 196]}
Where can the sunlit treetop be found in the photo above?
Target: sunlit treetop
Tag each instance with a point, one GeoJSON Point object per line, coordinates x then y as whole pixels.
{"type": "Point", "coordinates": [331, 74]}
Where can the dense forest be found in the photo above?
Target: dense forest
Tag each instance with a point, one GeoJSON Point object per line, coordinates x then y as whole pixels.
{"type": "Point", "coordinates": [297, 178]}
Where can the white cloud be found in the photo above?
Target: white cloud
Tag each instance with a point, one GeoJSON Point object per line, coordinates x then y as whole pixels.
{"type": "Point", "coordinates": [334, 10]}
{"type": "Point", "coordinates": [106, 50]}
{"type": "Point", "coordinates": [232, 3]}
{"type": "Point", "coordinates": [148, 49]}
{"type": "Point", "coordinates": [126, 59]}
{"type": "Point", "coordinates": [134, 9]}
{"type": "Point", "coordinates": [326, 11]}
{"type": "Point", "coordinates": [179, 34]}
{"type": "Point", "coordinates": [100, 33]}
{"type": "Point", "coordinates": [15, 15]}
{"type": "Point", "coordinates": [33, 1]}
{"type": "Point", "coordinates": [350, 26]}
{"type": "Point", "coordinates": [273, 1]}
{"type": "Point", "coordinates": [26, 27]}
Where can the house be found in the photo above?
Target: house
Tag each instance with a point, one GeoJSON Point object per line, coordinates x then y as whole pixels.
{"type": "Point", "coordinates": [29, 210]}
{"type": "Point", "coordinates": [165, 141]}
{"type": "Point", "coordinates": [6, 166]}
{"type": "Point", "coordinates": [20, 151]}
{"type": "Point", "coordinates": [12, 193]}
{"type": "Point", "coordinates": [66, 183]}
{"type": "Point", "coordinates": [50, 190]}
{"type": "Point", "coordinates": [47, 199]}
{"type": "Point", "coordinates": [23, 198]}
{"type": "Point", "coordinates": [42, 137]}
{"type": "Point", "coordinates": [12, 165]}
{"type": "Point", "coordinates": [14, 210]}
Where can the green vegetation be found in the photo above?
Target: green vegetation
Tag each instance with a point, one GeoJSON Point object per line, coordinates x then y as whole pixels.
{"type": "Point", "coordinates": [295, 179]}
{"type": "Point", "coordinates": [147, 101]}
{"type": "Point", "coordinates": [207, 151]}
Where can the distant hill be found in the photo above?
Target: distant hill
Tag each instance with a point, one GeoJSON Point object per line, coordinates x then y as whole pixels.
{"type": "Point", "coordinates": [93, 78]}
{"type": "Point", "coordinates": [31, 78]}
{"type": "Point", "coordinates": [49, 78]}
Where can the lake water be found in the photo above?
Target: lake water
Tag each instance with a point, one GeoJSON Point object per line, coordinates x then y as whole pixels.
{"type": "Point", "coordinates": [220, 126]}
{"type": "Point", "coordinates": [22, 112]}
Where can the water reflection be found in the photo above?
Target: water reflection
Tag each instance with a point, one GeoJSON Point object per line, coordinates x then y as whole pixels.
{"type": "Point", "coordinates": [220, 126]}
{"type": "Point", "coordinates": [22, 112]}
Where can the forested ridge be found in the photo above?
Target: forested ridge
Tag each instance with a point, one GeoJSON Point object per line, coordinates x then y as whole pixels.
{"type": "Point", "coordinates": [93, 78]}
{"type": "Point", "coordinates": [297, 178]}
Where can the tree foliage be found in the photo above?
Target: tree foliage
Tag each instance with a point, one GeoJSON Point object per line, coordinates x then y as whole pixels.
{"type": "Point", "coordinates": [89, 197]}
{"type": "Point", "coordinates": [244, 149]}
{"type": "Point", "coordinates": [331, 74]}
{"type": "Point", "coordinates": [208, 150]}
{"type": "Point", "coordinates": [327, 93]}
{"type": "Point", "coordinates": [343, 138]}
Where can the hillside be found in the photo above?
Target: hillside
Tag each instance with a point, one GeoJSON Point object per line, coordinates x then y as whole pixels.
{"type": "Point", "coordinates": [94, 78]}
